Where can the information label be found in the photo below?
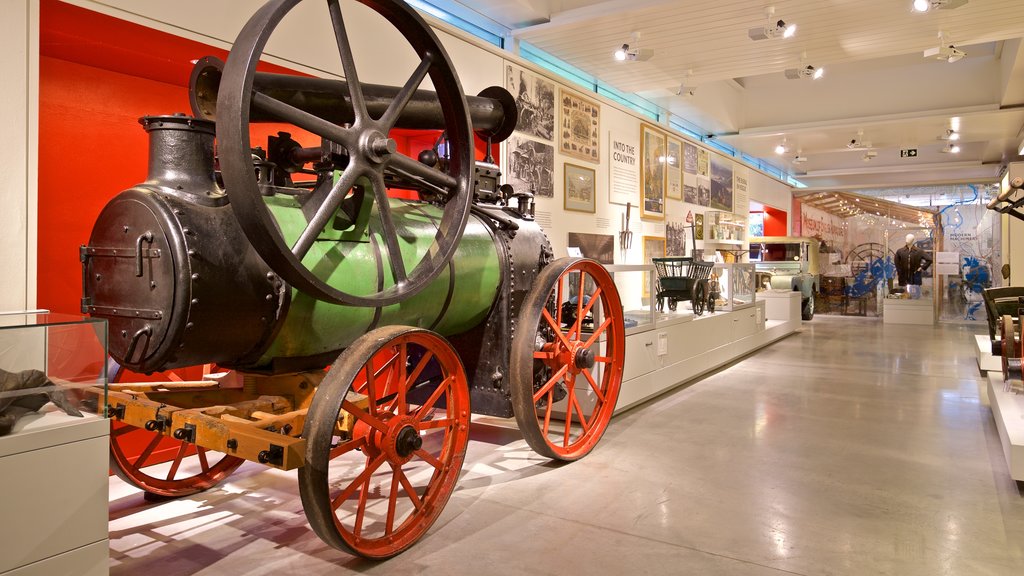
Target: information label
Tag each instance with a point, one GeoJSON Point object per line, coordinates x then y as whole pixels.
{"type": "Point", "coordinates": [624, 170]}
{"type": "Point", "coordinates": [947, 263]}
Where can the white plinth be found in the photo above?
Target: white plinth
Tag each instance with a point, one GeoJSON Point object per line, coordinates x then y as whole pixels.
{"type": "Point", "coordinates": [899, 311]}
{"type": "Point", "coordinates": [781, 304]}
{"type": "Point", "coordinates": [691, 349]}
{"type": "Point", "coordinates": [54, 497]}
{"type": "Point", "coordinates": [1008, 412]}
{"type": "Point", "coordinates": [986, 361]}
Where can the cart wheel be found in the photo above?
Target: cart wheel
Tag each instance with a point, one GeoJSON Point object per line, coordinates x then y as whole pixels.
{"type": "Point", "coordinates": [673, 304]}
{"type": "Point", "coordinates": [567, 374]}
{"type": "Point", "coordinates": [699, 297]}
{"type": "Point", "coordinates": [375, 487]}
{"type": "Point", "coordinates": [1011, 347]}
{"type": "Point", "coordinates": [191, 470]}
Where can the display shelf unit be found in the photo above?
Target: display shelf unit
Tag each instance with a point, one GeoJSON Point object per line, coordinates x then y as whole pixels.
{"type": "Point", "coordinates": [54, 465]}
{"type": "Point", "coordinates": [1008, 413]}
{"type": "Point", "coordinates": [724, 228]}
{"type": "Point", "coordinates": [637, 285]}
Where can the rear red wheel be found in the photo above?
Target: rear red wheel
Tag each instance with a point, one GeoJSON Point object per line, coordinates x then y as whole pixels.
{"type": "Point", "coordinates": [376, 487]}
{"type": "Point", "coordinates": [567, 357]}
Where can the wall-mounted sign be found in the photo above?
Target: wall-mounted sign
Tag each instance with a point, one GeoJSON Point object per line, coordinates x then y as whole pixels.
{"type": "Point", "coordinates": [908, 153]}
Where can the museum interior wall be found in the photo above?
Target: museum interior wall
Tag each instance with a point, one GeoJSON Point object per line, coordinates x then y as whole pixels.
{"type": "Point", "coordinates": [102, 91]}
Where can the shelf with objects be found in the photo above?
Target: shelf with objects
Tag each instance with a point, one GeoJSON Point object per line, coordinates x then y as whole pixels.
{"type": "Point", "coordinates": [52, 388]}
{"type": "Point", "coordinates": [724, 228]}
{"type": "Point", "coordinates": [637, 285]}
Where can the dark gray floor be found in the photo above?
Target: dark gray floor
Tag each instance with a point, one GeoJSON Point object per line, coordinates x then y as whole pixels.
{"type": "Point", "coordinates": [850, 448]}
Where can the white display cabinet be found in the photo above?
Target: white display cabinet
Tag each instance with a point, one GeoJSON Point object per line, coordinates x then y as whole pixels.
{"type": "Point", "coordinates": [53, 459]}
{"type": "Point", "coordinates": [725, 228]}
{"type": "Point", "coordinates": [736, 286]}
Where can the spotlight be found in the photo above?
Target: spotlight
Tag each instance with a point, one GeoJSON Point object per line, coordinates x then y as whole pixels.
{"type": "Point", "coordinates": [625, 53]}
{"type": "Point", "coordinates": [781, 148]}
{"type": "Point", "coordinates": [799, 159]}
{"type": "Point", "coordinates": [686, 88]}
{"type": "Point", "coordinates": [926, 5]}
{"type": "Point", "coordinates": [772, 28]}
{"type": "Point", "coordinates": [949, 135]}
{"type": "Point", "coordinates": [870, 155]}
{"type": "Point", "coordinates": [950, 148]}
{"type": "Point", "coordinates": [945, 51]}
{"type": "Point", "coordinates": [807, 71]}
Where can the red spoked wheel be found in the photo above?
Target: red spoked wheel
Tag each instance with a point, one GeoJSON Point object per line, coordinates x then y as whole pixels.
{"type": "Point", "coordinates": [191, 469]}
{"type": "Point", "coordinates": [166, 467]}
{"type": "Point", "coordinates": [567, 357]}
{"type": "Point", "coordinates": [375, 489]}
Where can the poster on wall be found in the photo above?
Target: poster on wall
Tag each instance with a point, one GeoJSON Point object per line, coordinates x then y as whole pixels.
{"type": "Point", "coordinates": [535, 101]}
{"type": "Point", "coordinates": [702, 162]}
{"type": "Point", "coordinates": [531, 166]}
{"type": "Point", "coordinates": [690, 188]}
{"type": "Point", "coordinates": [721, 183]}
{"type": "Point", "coordinates": [623, 168]}
{"type": "Point", "coordinates": [740, 191]}
{"type": "Point", "coordinates": [689, 158]}
{"type": "Point", "coordinates": [652, 173]}
{"type": "Point", "coordinates": [703, 190]}
{"type": "Point", "coordinates": [673, 168]}
{"type": "Point", "coordinates": [600, 247]}
{"type": "Point", "coordinates": [580, 135]}
{"type": "Point", "coordinates": [675, 238]}
{"type": "Point", "coordinates": [579, 188]}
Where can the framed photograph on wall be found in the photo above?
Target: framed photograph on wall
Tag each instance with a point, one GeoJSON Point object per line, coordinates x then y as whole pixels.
{"type": "Point", "coordinates": [580, 135]}
{"type": "Point", "coordinates": [652, 173]}
{"type": "Point", "coordinates": [654, 247]}
{"type": "Point", "coordinates": [535, 102]}
{"type": "Point", "coordinates": [579, 188]}
{"type": "Point", "coordinates": [673, 170]}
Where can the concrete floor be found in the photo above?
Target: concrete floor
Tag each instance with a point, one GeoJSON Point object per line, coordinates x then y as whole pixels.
{"type": "Point", "coordinates": [852, 447]}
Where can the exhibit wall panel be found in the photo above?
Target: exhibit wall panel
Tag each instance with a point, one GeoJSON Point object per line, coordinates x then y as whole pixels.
{"type": "Point", "coordinates": [19, 61]}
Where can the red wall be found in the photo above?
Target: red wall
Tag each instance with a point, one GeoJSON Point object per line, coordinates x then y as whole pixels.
{"type": "Point", "coordinates": [775, 222]}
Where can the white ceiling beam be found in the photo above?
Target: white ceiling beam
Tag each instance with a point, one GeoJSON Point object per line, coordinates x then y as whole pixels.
{"type": "Point", "coordinates": [895, 169]}
{"type": "Point", "coordinates": [589, 12]}
{"type": "Point", "coordinates": [858, 121]}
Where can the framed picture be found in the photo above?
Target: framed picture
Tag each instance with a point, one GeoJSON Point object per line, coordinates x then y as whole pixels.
{"type": "Point", "coordinates": [600, 247]}
{"type": "Point", "coordinates": [698, 226]}
{"type": "Point", "coordinates": [580, 135]}
{"type": "Point", "coordinates": [721, 184]}
{"type": "Point", "coordinates": [673, 170]}
{"type": "Point", "coordinates": [579, 188]}
{"type": "Point", "coordinates": [531, 166]}
{"type": "Point", "coordinates": [535, 102]}
{"type": "Point", "coordinates": [652, 173]}
{"type": "Point", "coordinates": [654, 247]}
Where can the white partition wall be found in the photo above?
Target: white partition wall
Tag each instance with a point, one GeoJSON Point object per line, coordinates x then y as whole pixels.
{"type": "Point", "coordinates": [19, 67]}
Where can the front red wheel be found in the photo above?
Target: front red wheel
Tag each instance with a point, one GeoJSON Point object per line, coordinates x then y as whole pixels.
{"type": "Point", "coordinates": [386, 436]}
{"type": "Point", "coordinates": [567, 357]}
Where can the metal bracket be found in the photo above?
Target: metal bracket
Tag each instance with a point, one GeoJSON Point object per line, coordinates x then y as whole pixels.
{"type": "Point", "coordinates": [274, 455]}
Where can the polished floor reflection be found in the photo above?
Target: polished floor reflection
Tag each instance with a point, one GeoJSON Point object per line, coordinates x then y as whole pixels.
{"type": "Point", "coordinates": [852, 447]}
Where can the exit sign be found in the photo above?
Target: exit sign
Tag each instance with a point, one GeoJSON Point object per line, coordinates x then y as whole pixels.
{"type": "Point", "coordinates": [908, 153]}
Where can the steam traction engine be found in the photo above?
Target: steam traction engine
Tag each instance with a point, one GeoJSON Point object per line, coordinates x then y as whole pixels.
{"type": "Point", "coordinates": [283, 262]}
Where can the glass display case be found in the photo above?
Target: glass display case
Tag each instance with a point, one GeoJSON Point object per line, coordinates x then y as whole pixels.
{"type": "Point", "coordinates": [733, 286]}
{"type": "Point", "coordinates": [636, 285]}
{"type": "Point", "coordinates": [50, 364]}
{"type": "Point", "coordinates": [725, 228]}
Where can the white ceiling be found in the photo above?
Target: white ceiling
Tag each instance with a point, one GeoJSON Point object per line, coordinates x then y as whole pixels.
{"type": "Point", "coordinates": [876, 79]}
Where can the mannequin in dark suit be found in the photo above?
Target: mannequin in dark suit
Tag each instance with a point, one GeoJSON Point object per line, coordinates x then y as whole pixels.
{"type": "Point", "coordinates": [910, 262]}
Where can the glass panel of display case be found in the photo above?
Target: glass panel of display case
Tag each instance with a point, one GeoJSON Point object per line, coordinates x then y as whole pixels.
{"type": "Point", "coordinates": [51, 363]}
{"type": "Point", "coordinates": [637, 289]}
{"type": "Point", "coordinates": [733, 286]}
